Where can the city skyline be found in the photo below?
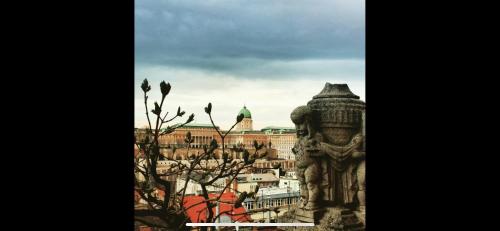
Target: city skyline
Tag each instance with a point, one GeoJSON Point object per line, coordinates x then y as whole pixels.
{"type": "Point", "coordinates": [271, 59]}
{"type": "Point", "coordinates": [271, 107]}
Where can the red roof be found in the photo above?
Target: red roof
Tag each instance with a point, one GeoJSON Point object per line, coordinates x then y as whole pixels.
{"type": "Point", "coordinates": [198, 213]}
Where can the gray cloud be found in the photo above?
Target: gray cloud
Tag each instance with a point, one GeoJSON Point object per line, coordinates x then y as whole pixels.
{"type": "Point", "coordinates": [265, 69]}
{"type": "Point", "coordinates": [235, 36]}
{"type": "Point", "coordinates": [231, 53]}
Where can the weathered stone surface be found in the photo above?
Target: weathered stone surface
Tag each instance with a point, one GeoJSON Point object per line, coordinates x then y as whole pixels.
{"type": "Point", "coordinates": [308, 216]}
{"type": "Point", "coordinates": [330, 158]}
{"type": "Point", "coordinates": [329, 218]}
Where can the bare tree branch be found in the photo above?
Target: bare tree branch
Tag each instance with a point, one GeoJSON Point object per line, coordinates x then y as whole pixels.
{"type": "Point", "coordinates": [146, 164]}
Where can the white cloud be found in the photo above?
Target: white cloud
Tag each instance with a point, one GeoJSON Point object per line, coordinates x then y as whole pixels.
{"type": "Point", "coordinates": [269, 100]}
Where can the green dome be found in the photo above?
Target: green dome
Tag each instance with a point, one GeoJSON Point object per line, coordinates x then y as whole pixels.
{"type": "Point", "coordinates": [246, 113]}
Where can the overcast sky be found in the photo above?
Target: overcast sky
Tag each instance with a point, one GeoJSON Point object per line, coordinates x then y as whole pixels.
{"type": "Point", "coordinates": [271, 55]}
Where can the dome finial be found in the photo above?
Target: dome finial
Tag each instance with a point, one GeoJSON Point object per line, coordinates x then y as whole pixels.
{"type": "Point", "coordinates": [245, 112]}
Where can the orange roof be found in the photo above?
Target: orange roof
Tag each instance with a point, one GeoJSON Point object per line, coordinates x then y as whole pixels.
{"type": "Point", "coordinates": [198, 213]}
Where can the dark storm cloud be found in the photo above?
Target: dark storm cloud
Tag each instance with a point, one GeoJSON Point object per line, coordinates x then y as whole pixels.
{"type": "Point", "coordinates": [230, 36]}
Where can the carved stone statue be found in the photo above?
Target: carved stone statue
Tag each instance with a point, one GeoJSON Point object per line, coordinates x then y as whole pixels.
{"type": "Point", "coordinates": [307, 167]}
{"type": "Point", "coordinates": [347, 171]}
{"type": "Point", "coordinates": [330, 155]}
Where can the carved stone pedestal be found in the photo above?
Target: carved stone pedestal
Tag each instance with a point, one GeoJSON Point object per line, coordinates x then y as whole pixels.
{"type": "Point", "coordinates": [341, 219]}
{"type": "Point", "coordinates": [308, 216]}
{"type": "Point", "coordinates": [329, 218]}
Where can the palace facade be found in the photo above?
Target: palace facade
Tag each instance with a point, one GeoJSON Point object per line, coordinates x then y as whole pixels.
{"type": "Point", "coordinates": [279, 139]}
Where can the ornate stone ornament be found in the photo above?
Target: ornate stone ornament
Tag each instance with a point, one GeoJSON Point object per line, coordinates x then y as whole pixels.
{"type": "Point", "coordinates": [330, 157]}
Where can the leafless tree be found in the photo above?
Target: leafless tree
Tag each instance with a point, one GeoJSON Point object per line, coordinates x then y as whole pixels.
{"type": "Point", "coordinates": [170, 213]}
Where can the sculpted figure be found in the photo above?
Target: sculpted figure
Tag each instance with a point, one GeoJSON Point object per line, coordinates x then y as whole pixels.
{"type": "Point", "coordinates": [348, 162]}
{"type": "Point", "coordinates": [330, 157]}
{"type": "Point", "coordinates": [307, 167]}
{"type": "Point", "coordinates": [340, 117]}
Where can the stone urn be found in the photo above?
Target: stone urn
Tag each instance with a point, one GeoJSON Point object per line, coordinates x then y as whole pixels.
{"type": "Point", "coordinates": [338, 112]}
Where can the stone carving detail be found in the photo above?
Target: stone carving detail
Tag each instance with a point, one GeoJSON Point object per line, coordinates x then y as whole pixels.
{"type": "Point", "coordinates": [330, 153]}
{"type": "Point", "coordinates": [307, 167]}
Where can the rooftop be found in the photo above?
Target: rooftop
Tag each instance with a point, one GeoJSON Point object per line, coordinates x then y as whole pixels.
{"type": "Point", "coordinates": [273, 196]}
{"type": "Point", "coordinates": [199, 125]}
{"type": "Point", "coordinates": [199, 212]}
{"type": "Point", "coordinates": [246, 113]}
{"type": "Point", "coordinates": [277, 128]}
{"type": "Point", "coordinates": [257, 177]}
{"type": "Point", "coordinates": [247, 132]}
{"type": "Point", "coordinates": [195, 125]}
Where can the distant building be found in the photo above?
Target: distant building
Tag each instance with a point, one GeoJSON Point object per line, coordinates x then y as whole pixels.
{"type": "Point", "coordinates": [281, 199]}
{"type": "Point", "coordinates": [248, 182]}
{"type": "Point", "coordinates": [291, 174]}
{"type": "Point", "coordinates": [278, 188]}
{"type": "Point", "coordinates": [275, 193]}
{"type": "Point", "coordinates": [201, 133]}
{"type": "Point", "coordinates": [288, 182]}
{"type": "Point", "coordinates": [281, 139]}
{"type": "Point", "coordinates": [286, 165]}
{"type": "Point", "coordinates": [194, 188]}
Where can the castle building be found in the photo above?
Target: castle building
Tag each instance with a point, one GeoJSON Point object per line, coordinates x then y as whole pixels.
{"type": "Point", "coordinates": [246, 123]}
{"type": "Point", "coordinates": [277, 191]}
{"type": "Point", "coordinates": [281, 139]}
